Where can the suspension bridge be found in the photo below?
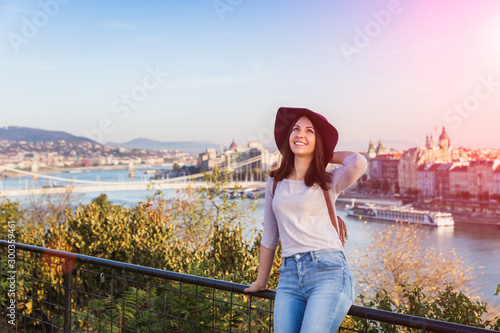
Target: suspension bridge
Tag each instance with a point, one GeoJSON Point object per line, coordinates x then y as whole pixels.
{"type": "Point", "coordinates": [81, 185]}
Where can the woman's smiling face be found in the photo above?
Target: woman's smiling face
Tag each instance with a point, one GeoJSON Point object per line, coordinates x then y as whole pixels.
{"type": "Point", "coordinates": [303, 137]}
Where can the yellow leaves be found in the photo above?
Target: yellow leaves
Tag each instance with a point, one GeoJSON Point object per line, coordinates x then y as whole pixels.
{"type": "Point", "coordinates": [29, 306]}
{"type": "Point", "coordinates": [401, 251]}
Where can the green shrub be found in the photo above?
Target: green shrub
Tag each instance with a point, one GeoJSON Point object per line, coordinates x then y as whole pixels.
{"type": "Point", "coordinates": [449, 305]}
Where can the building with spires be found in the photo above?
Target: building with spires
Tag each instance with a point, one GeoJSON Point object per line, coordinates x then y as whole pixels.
{"type": "Point", "coordinates": [383, 166]}
{"type": "Point", "coordinates": [233, 146]}
{"type": "Point", "coordinates": [372, 153]}
{"type": "Point", "coordinates": [412, 159]}
{"type": "Point", "coordinates": [444, 140]}
{"type": "Point", "coordinates": [380, 148]}
{"type": "Point", "coordinates": [440, 170]}
{"type": "Point", "coordinates": [429, 142]}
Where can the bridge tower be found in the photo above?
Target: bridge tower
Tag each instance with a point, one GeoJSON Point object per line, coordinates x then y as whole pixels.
{"type": "Point", "coordinates": [131, 170]}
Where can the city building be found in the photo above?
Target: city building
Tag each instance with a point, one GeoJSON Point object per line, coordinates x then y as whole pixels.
{"type": "Point", "coordinates": [442, 178]}
{"type": "Point", "coordinates": [480, 177]}
{"type": "Point", "coordinates": [382, 173]}
{"type": "Point", "coordinates": [413, 158]}
{"type": "Point", "coordinates": [409, 162]}
{"type": "Point", "coordinates": [209, 159]}
{"type": "Point", "coordinates": [496, 183]}
{"type": "Point", "coordinates": [427, 180]}
{"type": "Point", "coordinates": [384, 168]}
{"type": "Point", "coordinates": [458, 181]}
{"type": "Point", "coordinates": [235, 156]}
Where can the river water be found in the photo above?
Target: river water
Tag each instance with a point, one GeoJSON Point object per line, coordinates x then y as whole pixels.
{"type": "Point", "coordinates": [478, 244]}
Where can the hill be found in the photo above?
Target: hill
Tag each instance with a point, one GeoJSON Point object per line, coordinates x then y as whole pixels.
{"type": "Point", "coordinates": [192, 147]}
{"type": "Point", "coordinates": [17, 133]}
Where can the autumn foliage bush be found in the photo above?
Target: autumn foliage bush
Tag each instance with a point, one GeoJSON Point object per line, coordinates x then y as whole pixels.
{"type": "Point", "coordinates": [199, 231]}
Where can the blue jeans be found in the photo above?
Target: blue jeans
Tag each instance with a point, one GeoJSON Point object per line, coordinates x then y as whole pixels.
{"type": "Point", "coordinates": [314, 294]}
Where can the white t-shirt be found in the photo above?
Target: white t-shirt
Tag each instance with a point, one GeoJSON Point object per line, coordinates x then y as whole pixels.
{"type": "Point", "coordinates": [298, 214]}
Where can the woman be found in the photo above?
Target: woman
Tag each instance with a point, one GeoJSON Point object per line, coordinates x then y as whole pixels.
{"type": "Point", "coordinates": [315, 289]}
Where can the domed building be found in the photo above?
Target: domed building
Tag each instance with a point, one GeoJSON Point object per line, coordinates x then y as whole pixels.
{"type": "Point", "coordinates": [444, 140]}
{"type": "Point", "coordinates": [233, 146]}
{"type": "Point", "coordinates": [413, 158]}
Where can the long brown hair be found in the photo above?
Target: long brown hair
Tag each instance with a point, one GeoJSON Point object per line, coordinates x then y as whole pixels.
{"type": "Point", "coordinates": [316, 173]}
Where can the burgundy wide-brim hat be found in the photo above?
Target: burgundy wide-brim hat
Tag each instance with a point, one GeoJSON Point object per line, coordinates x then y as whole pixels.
{"type": "Point", "coordinates": [287, 117]}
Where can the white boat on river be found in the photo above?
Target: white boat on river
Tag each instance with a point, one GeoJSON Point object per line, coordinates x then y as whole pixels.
{"type": "Point", "coordinates": [400, 214]}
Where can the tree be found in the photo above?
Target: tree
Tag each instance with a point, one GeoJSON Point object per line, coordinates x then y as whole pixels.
{"type": "Point", "coordinates": [47, 207]}
{"type": "Point", "coordinates": [10, 213]}
{"type": "Point", "coordinates": [196, 213]}
{"type": "Point", "coordinates": [399, 256]}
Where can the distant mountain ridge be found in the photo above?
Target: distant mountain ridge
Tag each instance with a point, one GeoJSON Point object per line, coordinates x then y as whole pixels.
{"type": "Point", "coordinates": [18, 133]}
{"type": "Point", "coordinates": [201, 146]}
{"type": "Point", "coordinates": [28, 134]}
{"type": "Point", "coordinates": [192, 147]}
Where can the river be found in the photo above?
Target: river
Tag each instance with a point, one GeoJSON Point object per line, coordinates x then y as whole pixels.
{"type": "Point", "coordinates": [478, 244]}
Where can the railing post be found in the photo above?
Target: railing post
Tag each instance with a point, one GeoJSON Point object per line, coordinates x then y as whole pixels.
{"type": "Point", "coordinates": [67, 301]}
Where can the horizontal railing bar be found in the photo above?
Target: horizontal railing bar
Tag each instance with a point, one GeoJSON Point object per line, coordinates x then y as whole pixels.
{"type": "Point", "coordinates": [412, 321]}
{"type": "Point", "coordinates": [358, 311]}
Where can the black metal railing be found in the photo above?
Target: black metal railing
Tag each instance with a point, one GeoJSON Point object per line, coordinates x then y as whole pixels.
{"type": "Point", "coordinates": [58, 291]}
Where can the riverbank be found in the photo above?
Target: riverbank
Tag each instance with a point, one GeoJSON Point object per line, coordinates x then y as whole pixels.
{"type": "Point", "coordinates": [376, 199]}
{"type": "Point", "coordinates": [465, 217]}
{"type": "Point", "coordinates": [458, 218]}
{"type": "Point", "coordinates": [46, 171]}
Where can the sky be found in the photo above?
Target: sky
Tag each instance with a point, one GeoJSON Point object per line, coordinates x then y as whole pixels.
{"type": "Point", "coordinates": [218, 70]}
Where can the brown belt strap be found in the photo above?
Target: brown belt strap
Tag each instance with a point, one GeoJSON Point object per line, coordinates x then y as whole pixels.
{"type": "Point", "coordinates": [338, 226]}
